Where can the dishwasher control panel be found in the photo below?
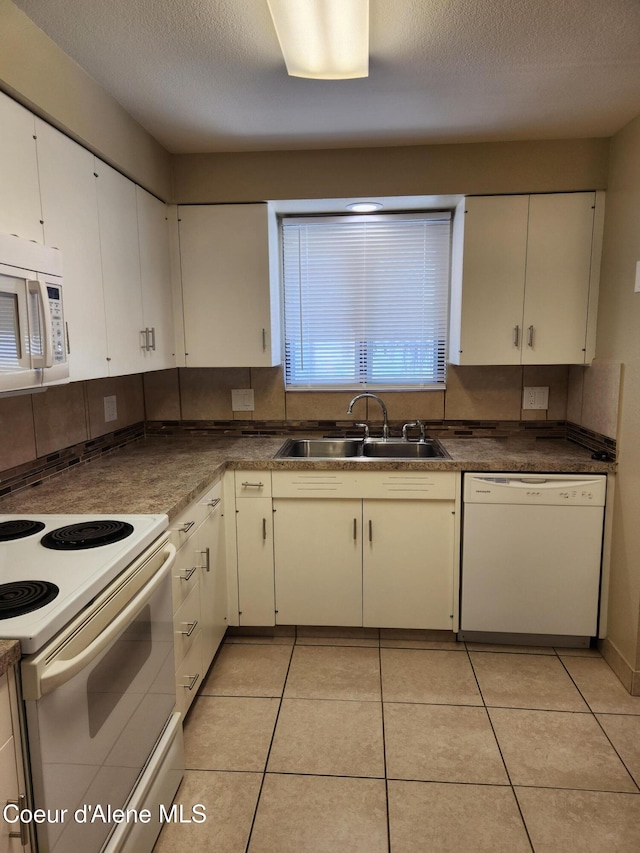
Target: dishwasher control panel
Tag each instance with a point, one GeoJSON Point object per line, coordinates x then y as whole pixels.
{"type": "Point", "coordinates": [540, 489]}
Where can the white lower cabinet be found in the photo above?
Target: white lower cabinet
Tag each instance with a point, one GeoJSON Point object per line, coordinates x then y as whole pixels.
{"type": "Point", "coordinates": [408, 564]}
{"type": "Point", "coordinates": [254, 529]}
{"type": "Point", "coordinates": [199, 592]}
{"type": "Point", "coordinates": [12, 778]}
{"type": "Point", "coordinates": [347, 548]}
{"type": "Point", "coordinates": [318, 561]}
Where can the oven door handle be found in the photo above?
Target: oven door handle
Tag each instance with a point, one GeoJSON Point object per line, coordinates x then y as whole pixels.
{"type": "Point", "coordinates": [61, 671]}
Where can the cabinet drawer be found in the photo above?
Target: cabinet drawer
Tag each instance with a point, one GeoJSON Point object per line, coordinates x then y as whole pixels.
{"type": "Point", "coordinates": [189, 677]}
{"type": "Point", "coordinates": [185, 572]}
{"type": "Point", "coordinates": [186, 524]}
{"type": "Point", "coordinates": [408, 485]}
{"type": "Point", "coordinates": [253, 484]}
{"type": "Point", "coordinates": [186, 624]}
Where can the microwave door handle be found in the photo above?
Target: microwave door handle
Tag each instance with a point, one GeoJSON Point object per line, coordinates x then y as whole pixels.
{"type": "Point", "coordinates": [38, 287]}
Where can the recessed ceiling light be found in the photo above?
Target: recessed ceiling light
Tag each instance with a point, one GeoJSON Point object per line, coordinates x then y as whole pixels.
{"type": "Point", "coordinates": [364, 206]}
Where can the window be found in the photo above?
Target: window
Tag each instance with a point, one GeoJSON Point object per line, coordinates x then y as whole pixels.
{"type": "Point", "coordinates": [366, 300]}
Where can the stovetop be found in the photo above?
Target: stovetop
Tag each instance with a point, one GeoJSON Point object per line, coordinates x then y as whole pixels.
{"type": "Point", "coordinates": [63, 558]}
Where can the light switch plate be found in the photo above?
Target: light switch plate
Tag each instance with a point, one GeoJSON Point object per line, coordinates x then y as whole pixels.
{"type": "Point", "coordinates": [110, 408]}
{"type": "Point", "coordinates": [535, 397]}
{"type": "Point", "coordinates": [242, 400]}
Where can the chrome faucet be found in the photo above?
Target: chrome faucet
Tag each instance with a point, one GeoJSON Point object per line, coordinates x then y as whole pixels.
{"type": "Point", "coordinates": [385, 425]}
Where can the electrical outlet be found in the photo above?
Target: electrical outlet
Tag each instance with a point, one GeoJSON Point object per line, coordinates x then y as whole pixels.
{"type": "Point", "coordinates": [110, 409]}
{"type": "Point", "coordinates": [242, 400]}
{"type": "Point", "coordinates": [535, 397]}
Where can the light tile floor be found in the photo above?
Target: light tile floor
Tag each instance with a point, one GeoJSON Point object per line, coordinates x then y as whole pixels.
{"type": "Point", "coordinates": [321, 744]}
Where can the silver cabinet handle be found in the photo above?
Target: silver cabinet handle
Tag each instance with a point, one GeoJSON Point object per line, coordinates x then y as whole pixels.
{"type": "Point", "coordinates": [530, 336]}
{"type": "Point", "coordinates": [246, 485]}
{"type": "Point", "coordinates": [191, 627]}
{"type": "Point", "coordinates": [188, 573]}
{"type": "Point", "coordinates": [207, 559]}
{"type": "Point", "coordinates": [186, 527]}
{"type": "Point", "coordinates": [516, 336]}
{"type": "Point", "coordinates": [144, 334]}
{"type": "Point", "coordinates": [23, 833]}
{"type": "Point", "coordinates": [264, 339]}
{"type": "Point", "coordinates": [152, 332]}
{"type": "Point", "coordinates": [355, 528]}
{"type": "Point", "coordinates": [370, 530]}
{"type": "Point", "coordinates": [193, 680]}
{"type": "Point", "coordinates": [264, 528]}
{"type": "Point", "coordinates": [214, 503]}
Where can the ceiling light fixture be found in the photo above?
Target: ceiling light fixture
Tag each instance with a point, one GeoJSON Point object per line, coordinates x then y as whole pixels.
{"type": "Point", "coordinates": [364, 206]}
{"type": "Point", "coordinates": [323, 39]}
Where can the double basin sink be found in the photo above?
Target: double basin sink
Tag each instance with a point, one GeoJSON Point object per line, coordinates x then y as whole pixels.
{"type": "Point", "coordinates": [361, 449]}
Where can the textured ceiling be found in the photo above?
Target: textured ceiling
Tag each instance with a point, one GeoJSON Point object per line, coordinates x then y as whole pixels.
{"type": "Point", "coordinates": [207, 75]}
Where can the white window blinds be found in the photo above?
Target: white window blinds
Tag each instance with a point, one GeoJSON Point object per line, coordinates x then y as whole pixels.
{"type": "Point", "coordinates": [366, 300]}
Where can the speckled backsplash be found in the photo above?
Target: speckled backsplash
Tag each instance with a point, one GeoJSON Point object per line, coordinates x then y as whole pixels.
{"type": "Point", "coordinates": [36, 471]}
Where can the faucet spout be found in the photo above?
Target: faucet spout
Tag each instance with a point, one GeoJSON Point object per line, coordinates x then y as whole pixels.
{"type": "Point", "coordinates": [385, 417]}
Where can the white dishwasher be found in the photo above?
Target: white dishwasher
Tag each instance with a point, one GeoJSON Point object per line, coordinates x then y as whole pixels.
{"type": "Point", "coordinates": [531, 555]}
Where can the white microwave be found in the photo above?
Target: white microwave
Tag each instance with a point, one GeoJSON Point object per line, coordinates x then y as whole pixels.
{"type": "Point", "coordinates": [33, 340]}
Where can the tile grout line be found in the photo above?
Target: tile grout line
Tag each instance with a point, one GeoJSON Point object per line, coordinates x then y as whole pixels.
{"type": "Point", "coordinates": [266, 762]}
{"type": "Point", "coordinates": [601, 727]}
{"type": "Point", "coordinates": [384, 752]}
{"type": "Point", "coordinates": [504, 763]}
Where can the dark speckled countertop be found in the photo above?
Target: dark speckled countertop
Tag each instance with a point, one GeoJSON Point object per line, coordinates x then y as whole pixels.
{"type": "Point", "coordinates": [163, 474]}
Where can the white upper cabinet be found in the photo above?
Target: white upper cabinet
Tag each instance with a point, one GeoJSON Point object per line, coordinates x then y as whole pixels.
{"type": "Point", "coordinates": [525, 277]}
{"type": "Point", "coordinates": [155, 278]}
{"type": "Point", "coordinates": [230, 288]}
{"type": "Point", "coordinates": [70, 214]}
{"type": "Point", "coordinates": [20, 211]}
{"type": "Point", "coordinates": [117, 212]}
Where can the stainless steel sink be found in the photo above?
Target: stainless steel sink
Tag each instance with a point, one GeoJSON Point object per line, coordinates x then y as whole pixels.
{"type": "Point", "coordinates": [357, 449]}
{"type": "Point", "coordinates": [390, 449]}
{"type": "Point", "coordinates": [320, 448]}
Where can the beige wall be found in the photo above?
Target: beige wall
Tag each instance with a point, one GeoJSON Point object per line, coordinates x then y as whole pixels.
{"type": "Point", "coordinates": [39, 74]}
{"type": "Point", "coordinates": [619, 340]}
{"type": "Point", "coordinates": [495, 167]}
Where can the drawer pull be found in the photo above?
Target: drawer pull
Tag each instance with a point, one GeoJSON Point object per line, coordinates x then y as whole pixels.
{"type": "Point", "coordinates": [191, 628]}
{"type": "Point", "coordinates": [355, 528]}
{"type": "Point", "coordinates": [188, 574]}
{"type": "Point", "coordinates": [186, 527]}
{"type": "Point", "coordinates": [370, 530]}
{"type": "Point", "coordinates": [23, 834]}
{"type": "Point", "coordinates": [193, 680]}
{"type": "Point", "coordinates": [264, 528]}
{"type": "Point", "coordinates": [214, 503]}
{"type": "Point", "coordinates": [246, 485]}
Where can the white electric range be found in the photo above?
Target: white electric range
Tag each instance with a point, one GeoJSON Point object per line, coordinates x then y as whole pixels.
{"type": "Point", "coordinates": [61, 562]}
{"type": "Point", "coordinates": [89, 599]}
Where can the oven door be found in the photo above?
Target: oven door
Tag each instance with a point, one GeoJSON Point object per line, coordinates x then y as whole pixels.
{"type": "Point", "coordinates": [97, 700]}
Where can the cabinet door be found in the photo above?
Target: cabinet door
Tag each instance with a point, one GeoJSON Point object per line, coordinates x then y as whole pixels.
{"type": "Point", "coordinates": [120, 271]}
{"type": "Point", "coordinates": [557, 278]}
{"type": "Point", "coordinates": [213, 585]}
{"type": "Point", "coordinates": [408, 564]}
{"type": "Point", "coordinates": [20, 211]}
{"type": "Point", "coordinates": [155, 276]}
{"type": "Point", "coordinates": [70, 213]}
{"type": "Point", "coordinates": [229, 305]}
{"type": "Point", "coordinates": [493, 277]}
{"type": "Point", "coordinates": [254, 525]}
{"type": "Point", "coordinates": [318, 557]}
